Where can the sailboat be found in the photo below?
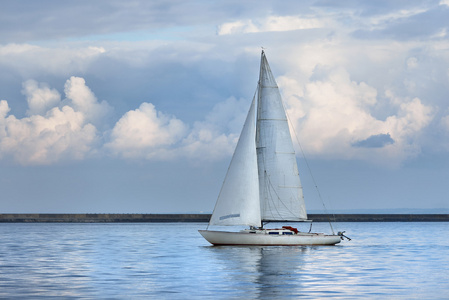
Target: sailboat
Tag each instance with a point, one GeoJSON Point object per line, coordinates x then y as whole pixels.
{"type": "Point", "coordinates": [262, 184]}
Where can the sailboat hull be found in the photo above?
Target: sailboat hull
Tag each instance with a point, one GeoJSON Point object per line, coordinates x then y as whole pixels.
{"type": "Point", "coordinates": [264, 238]}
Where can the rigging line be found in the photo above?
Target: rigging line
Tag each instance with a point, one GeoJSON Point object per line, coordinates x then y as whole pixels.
{"type": "Point", "coordinates": [310, 171]}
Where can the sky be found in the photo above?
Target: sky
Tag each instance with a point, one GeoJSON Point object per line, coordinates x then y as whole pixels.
{"type": "Point", "coordinates": [136, 106]}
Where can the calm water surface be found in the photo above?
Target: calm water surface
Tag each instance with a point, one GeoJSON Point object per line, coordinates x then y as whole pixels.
{"type": "Point", "coordinates": [172, 261]}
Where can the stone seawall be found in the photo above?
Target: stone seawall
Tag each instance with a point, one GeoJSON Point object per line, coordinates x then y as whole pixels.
{"type": "Point", "coordinates": [165, 218]}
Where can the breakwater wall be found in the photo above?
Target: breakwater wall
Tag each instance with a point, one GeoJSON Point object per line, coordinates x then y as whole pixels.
{"type": "Point", "coordinates": [198, 218]}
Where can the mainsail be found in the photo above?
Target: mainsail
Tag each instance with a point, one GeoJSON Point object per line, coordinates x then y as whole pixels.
{"type": "Point", "coordinates": [281, 194]}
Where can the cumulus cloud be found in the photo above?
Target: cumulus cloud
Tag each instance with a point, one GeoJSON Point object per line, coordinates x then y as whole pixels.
{"type": "Point", "coordinates": [334, 107]}
{"type": "Point", "coordinates": [333, 118]}
{"type": "Point", "coordinates": [216, 136]}
{"type": "Point", "coordinates": [40, 97]}
{"type": "Point", "coordinates": [60, 134]}
{"type": "Point", "coordinates": [53, 131]}
{"type": "Point", "coordinates": [145, 133]}
{"type": "Point", "coordinates": [205, 144]}
{"type": "Point", "coordinates": [83, 100]}
{"type": "Point", "coordinates": [67, 129]}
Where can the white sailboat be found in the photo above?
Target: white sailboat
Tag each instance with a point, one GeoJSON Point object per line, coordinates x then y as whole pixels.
{"type": "Point", "coordinates": [262, 183]}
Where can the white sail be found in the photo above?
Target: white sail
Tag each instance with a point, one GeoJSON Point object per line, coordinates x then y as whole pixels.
{"type": "Point", "coordinates": [281, 194]}
{"type": "Point", "coordinates": [238, 201]}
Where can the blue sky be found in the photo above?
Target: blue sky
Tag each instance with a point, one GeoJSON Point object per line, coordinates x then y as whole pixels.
{"type": "Point", "coordinates": [136, 106]}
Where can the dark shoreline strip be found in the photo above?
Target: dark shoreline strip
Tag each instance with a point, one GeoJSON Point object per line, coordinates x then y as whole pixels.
{"type": "Point", "coordinates": [199, 218]}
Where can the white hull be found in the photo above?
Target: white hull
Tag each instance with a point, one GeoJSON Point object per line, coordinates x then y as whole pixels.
{"type": "Point", "coordinates": [263, 238]}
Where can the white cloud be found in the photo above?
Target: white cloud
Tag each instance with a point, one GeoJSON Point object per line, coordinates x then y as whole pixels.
{"type": "Point", "coordinates": [406, 127]}
{"type": "Point", "coordinates": [58, 130]}
{"type": "Point", "coordinates": [272, 23]}
{"type": "Point", "coordinates": [40, 97]}
{"type": "Point", "coordinates": [216, 136]}
{"type": "Point", "coordinates": [53, 131]}
{"type": "Point", "coordinates": [145, 133]}
{"type": "Point", "coordinates": [333, 114]}
{"type": "Point", "coordinates": [61, 134]}
{"type": "Point", "coordinates": [336, 108]}
{"type": "Point", "coordinates": [149, 134]}
{"type": "Point", "coordinates": [204, 144]}
{"type": "Point", "coordinates": [237, 27]}
{"type": "Point", "coordinates": [83, 100]}
{"type": "Point", "coordinates": [444, 2]}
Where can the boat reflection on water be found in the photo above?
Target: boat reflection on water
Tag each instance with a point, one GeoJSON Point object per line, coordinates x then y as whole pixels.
{"type": "Point", "coordinates": [263, 271]}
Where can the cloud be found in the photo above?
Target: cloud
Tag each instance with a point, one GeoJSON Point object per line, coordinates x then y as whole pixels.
{"type": "Point", "coordinates": [204, 144]}
{"type": "Point", "coordinates": [57, 130]}
{"type": "Point", "coordinates": [31, 60]}
{"type": "Point", "coordinates": [145, 133]}
{"type": "Point", "coordinates": [216, 136]}
{"type": "Point", "coordinates": [270, 24]}
{"type": "Point", "coordinates": [375, 141]}
{"type": "Point", "coordinates": [333, 118]}
{"type": "Point", "coordinates": [59, 135]}
{"type": "Point", "coordinates": [53, 131]}
{"type": "Point", "coordinates": [333, 109]}
{"type": "Point", "coordinates": [83, 100]}
{"type": "Point", "coordinates": [40, 97]}
{"type": "Point", "coordinates": [415, 23]}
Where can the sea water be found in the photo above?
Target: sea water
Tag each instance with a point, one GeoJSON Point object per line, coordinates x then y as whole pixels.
{"type": "Point", "coordinates": [172, 261]}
